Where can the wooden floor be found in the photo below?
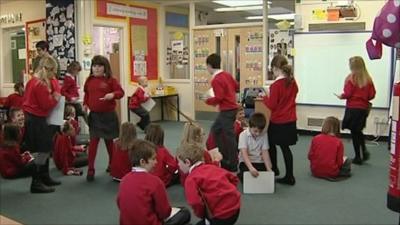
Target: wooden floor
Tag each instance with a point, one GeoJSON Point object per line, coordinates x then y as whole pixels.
{"type": "Point", "coordinates": [7, 221]}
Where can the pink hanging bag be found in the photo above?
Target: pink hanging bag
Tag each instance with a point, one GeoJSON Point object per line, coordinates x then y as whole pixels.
{"type": "Point", "coordinates": [386, 29]}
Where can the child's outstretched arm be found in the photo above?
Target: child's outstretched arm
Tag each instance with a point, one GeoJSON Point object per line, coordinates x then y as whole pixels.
{"type": "Point", "coordinates": [246, 159]}
{"type": "Point", "coordinates": [266, 159]}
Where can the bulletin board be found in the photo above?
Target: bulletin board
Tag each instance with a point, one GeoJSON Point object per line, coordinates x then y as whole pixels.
{"type": "Point", "coordinates": [204, 45]}
{"type": "Point", "coordinates": [35, 32]}
{"type": "Point", "coordinates": [60, 30]}
{"type": "Point", "coordinates": [143, 35]}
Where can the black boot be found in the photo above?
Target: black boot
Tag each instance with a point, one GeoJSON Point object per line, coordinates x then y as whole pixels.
{"type": "Point", "coordinates": [47, 180]}
{"type": "Point", "coordinates": [37, 185]}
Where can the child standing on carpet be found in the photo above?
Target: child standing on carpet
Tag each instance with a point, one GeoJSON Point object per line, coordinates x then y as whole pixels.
{"type": "Point", "coordinates": [101, 92]}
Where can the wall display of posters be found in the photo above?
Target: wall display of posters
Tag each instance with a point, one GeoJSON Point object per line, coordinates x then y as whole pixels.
{"type": "Point", "coordinates": [143, 35]}
{"type": "Point", "coordinates": [35, 32]}
{"type": "Point", "coordinates": [60, 30]}
{"type": "Point", "coordinates": [281, 42]}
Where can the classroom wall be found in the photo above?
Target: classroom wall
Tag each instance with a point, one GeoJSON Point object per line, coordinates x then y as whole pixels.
{"type": "Point", "coordinates": [376, 124]}
{"type": "Point", "coordinates": [369, 9]}
{"type": "Point", "coordinates": [31, 10]}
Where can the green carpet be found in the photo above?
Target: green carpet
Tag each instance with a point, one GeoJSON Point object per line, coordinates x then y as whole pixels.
{"type": "Point", "coordinates": [359, 200]}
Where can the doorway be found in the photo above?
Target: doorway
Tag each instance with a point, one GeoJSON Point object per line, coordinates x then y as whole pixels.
{"type": "Point", "coordinates": [107, 42]}
{"type": "Point", "coordinates": [14, 54]}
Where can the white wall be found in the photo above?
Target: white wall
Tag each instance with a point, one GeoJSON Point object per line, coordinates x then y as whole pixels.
{"type": "Point", "coordinates": [31, 10]}
{"type": "Point", "coordinates": [369, 10]}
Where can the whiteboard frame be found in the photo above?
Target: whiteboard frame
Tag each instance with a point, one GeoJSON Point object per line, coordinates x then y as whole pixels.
{"type": "Point", "coordinates": [392, 66]}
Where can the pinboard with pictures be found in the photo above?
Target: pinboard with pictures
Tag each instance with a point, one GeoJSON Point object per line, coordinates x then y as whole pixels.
{"type": "Point", "coordinates": [60, 30]}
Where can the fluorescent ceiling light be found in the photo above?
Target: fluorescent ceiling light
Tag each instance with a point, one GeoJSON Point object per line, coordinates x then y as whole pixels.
{"type": "Point", "coordinates": [254, 17]}
{"type": "Point", "coordinates": [237, 3]}
{"type": "Point", "coordinates": [239, 8]}
{"type": "Point", "coordinates": [288, 16]}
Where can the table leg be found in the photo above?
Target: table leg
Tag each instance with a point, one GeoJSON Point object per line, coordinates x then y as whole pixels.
{"type": "Point", "coordinates": [178, 109]}
{"type": "Point", "coordinates": [162, 109]}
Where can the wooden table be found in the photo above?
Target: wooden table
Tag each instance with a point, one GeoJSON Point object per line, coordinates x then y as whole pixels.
{"type": "Point", "coordinates": [162, 98]}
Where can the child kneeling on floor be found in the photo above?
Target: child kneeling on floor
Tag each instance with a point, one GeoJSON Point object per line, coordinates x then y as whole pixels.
{"type": "Point", "coordinates": [67, 157]}
{"type": "Point", "coordinates": [167, 165]}
{"type": "Point", "coordinates": [326, 153]}
{"type": "Point", "coordinates": [210, 190]}
{"type": "Point", "coordinates": [13, 164]}
{"type": "Point", "coordinates": [142, 197]}
{"type": "Point", "coordinates": [253, 146]}
{"type": "Point", "coordinates": [120, 163]}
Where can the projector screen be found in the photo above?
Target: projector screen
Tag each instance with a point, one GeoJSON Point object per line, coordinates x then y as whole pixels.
{"type": "Point", "coordinates": [321, 65]}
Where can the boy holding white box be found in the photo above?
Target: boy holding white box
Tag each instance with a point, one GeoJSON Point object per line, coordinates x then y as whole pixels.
{"type": "Point", "coordinates": [253, 146]}
{"type": "Point", "coordinates": [139, 97]}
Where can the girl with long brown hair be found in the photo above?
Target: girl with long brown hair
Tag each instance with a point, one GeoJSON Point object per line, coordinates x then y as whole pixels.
{"type": "Point", "coordinates": [282, 129]}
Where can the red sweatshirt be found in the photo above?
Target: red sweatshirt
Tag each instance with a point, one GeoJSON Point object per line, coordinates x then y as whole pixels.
{"type": "Point", "coordinates": [207, 160]}
{"type": "Point", "coordinates": [224, 87]}
{"type": "Point", "coordinates": [77, 129]}
{"type": "Point", "coordinates": [120, 163]}
{"type": "Point", "coordinates": [38, 98]}
{"type": "Point", "coordinates": [96, 88]}
{"type": "Point", "coordinates": [14, 101]}
{"type": "Point", "coordinates": [63, 154]}
{"type": "Point", "coordinates": [11, 161]}
{"type": "Point", "coordinates": [142, 199]}
{"type": "Point", "coordinates": [138, 98]}
{"type": "Point", "coordinates": [358, 98]}
{"type": "Point", "coordinates": [216, 187]}
{"type": "Point", "coordinates": [282, 101]}
{"type": "Point", "coordinates": [237, 127]}
{"type": "Point", "coordinates": [166, 165]}
{"type": "Point", "coordinates": [70, 88]}
{"type": "Point", "coordinates": [55, 85]}
{"type": "Point", "coordinates": [326, 155]}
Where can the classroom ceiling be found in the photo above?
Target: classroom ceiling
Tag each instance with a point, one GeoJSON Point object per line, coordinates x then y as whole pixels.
{"type": "Point", "coordinates": [212, 17]}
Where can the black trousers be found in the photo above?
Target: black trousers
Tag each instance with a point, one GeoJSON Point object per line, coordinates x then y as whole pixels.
{"type": "Point", "coordinates": [215, 221]}
{"type": "Point", "coordinates": [224, 134]}
{"type": "Point", "coordinates": [144, 115]}
{"type": "Point", "coordinates": [181, 218]}
{"type": "Point", "coordinates": [358, 142]}
{"type": "Point", "coordinates": [243, 168]}
{"type": "Point", "coordinates": [287, 156]}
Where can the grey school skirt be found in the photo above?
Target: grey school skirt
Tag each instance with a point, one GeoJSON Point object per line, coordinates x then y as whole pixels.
{"type": "Point", "coordinates": [103, 125]}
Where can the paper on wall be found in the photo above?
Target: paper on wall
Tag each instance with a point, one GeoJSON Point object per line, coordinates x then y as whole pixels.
{"type": "Point", "coordinates": [56, 116]}
{"type": "Point", "coordinates": [148, 105]}
{"type": "Point", "coordinates": [22, 53]}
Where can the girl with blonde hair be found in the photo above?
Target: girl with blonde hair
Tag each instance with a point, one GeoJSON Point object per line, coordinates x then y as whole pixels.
{"type": "Point", "coordinates": [40, 99]}
{"type": "Point", "coordinates": [358, 91]}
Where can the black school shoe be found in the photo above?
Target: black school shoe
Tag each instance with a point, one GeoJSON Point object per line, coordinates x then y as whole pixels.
{"type": "Point", "coordinates": [357, 161]}
{"type": "Point", "coordinates": [366, 155]}
{"type": "Point", "coordinates": [287, 181]}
